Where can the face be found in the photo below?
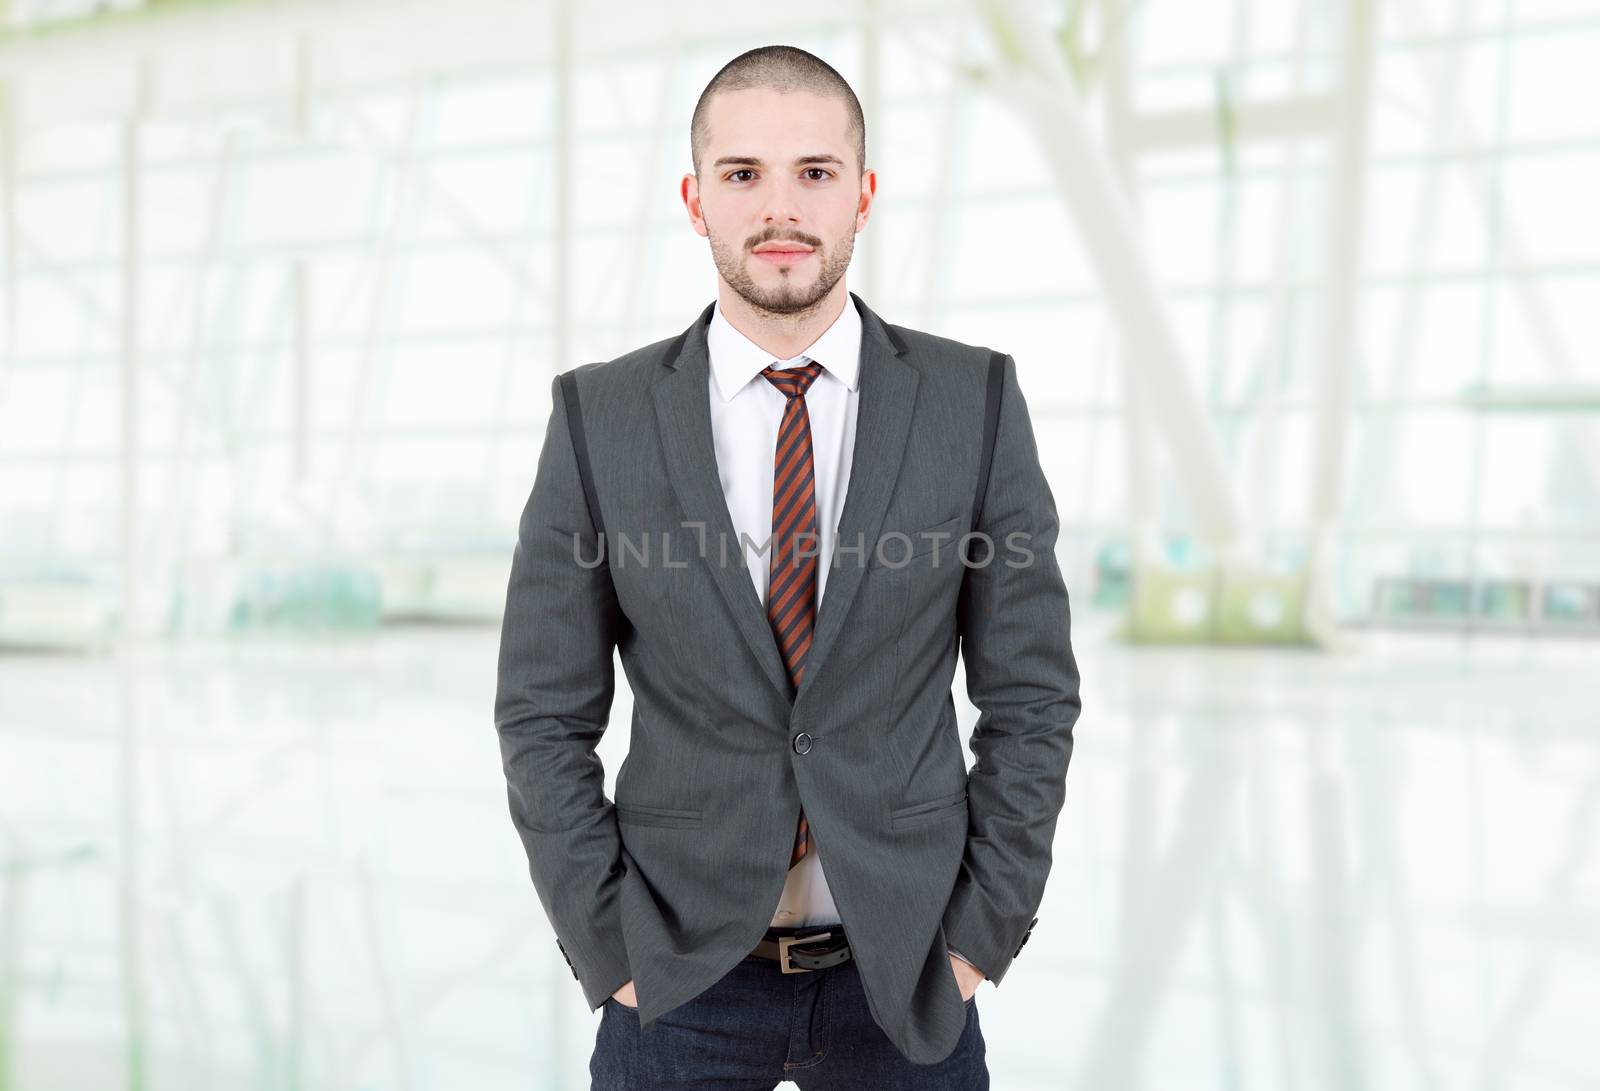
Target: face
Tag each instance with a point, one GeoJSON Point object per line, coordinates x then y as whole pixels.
{"type": "Point", "coordinates": [779, 197]}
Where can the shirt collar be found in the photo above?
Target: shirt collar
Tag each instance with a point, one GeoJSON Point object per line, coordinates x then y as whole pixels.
{"type": "Point", "coordinates": [736, 360]}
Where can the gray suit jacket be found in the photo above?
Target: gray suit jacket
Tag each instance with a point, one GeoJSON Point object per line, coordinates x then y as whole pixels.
{"type": "Point", "coordinates": [677, 880]}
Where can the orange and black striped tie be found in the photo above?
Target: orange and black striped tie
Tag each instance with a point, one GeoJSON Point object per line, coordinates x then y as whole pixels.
{"type": "Point", "coordinates": [792, 562]}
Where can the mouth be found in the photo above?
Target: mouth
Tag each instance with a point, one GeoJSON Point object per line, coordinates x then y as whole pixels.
{"type": "Point", "coordinates": [783, 254]}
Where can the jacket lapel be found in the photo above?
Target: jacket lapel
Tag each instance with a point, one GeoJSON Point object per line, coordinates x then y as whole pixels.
{"type": "Point", "coordinates": [683, 417]}
{"type": "Point", "coordinates": [887, 395]}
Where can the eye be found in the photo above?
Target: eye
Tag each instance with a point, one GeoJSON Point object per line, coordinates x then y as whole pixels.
{"type": "Point", "coordinates": [741, 170]}
{"type": "Point", "coordinates": [821, 171]}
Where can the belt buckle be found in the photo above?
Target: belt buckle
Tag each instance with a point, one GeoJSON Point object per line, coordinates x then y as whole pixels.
{"type": "Point", "coordinates": [786, 942]}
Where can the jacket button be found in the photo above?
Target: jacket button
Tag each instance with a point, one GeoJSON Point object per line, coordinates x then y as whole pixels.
{"type": "Point", "coordinates": [802, 743]}
{"type": "Point", "coordinates": [1025, 936]}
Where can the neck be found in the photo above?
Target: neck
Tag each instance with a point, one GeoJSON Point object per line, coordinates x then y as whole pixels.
{"type": "Point", "coordinates": [783, 335]}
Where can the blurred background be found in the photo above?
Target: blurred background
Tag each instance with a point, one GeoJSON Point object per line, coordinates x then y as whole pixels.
{"type": "Point", "coordinates": [1305, 298]}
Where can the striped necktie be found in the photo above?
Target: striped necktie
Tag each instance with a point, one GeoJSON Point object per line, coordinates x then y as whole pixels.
{"type": "Point", "coordinates": [791, 573]}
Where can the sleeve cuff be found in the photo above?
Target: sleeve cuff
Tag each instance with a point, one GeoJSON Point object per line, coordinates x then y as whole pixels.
{"type": "Point", "coordinates": [967, 960]}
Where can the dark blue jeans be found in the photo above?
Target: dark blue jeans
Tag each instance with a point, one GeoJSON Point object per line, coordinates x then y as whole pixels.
{"type": "Point", "coordinates": [758, 1027]}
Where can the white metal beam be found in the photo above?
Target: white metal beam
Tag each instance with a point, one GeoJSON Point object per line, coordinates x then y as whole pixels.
{"type": "Point", "coordinates": [1144, 540]}
{"type": "Point", "coordinates": [1036, 82]}
{"type": "Point", "coordinates": [387, 255]}
{"type": "Point", "coordinates": [1554, 348]}
{"type": "Point", "coordinates": [131, 628]}
{"type": "Point", "coordinates": [1277, 342]}
{"type": "Point", "coordinates": [637, 275]}
{"type": "Point", "coordinates": [300, 288]}
{"type": "Point", "coordinates": [939, 212]}
{"type": "Point", "coordinates": [8, 234]}
{"type": "Point", "coordinates": [562, 213]}
{"type": "Point", "coordinates": [1292, 118]}
{"type": "Point", "coordinates": [869, 87]}
{"type": "Point", "coordinates": [1341, 312]}
{"type": "Point", "coordinates": [128, 372]}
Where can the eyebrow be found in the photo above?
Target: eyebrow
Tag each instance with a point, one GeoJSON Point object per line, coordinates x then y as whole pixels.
{"type": "Point", "coordinates": [753, 161]}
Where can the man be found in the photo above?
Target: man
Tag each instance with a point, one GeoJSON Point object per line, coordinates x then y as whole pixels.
{"type": "Point", "coordinates": [799, 880]}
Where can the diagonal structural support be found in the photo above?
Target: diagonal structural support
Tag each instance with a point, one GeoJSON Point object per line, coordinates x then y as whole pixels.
{"type": "Point", "coordinates": [1037, 83]}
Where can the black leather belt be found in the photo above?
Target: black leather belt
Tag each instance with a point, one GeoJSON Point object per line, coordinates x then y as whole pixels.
{"type": "Point", "coordinates": [799, 950]}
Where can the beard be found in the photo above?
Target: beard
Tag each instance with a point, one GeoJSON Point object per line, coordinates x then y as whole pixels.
{"type": "Point", "coordinates": [789, 296]}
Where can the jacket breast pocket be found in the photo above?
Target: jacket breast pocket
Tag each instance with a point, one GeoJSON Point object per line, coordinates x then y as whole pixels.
{"type": "Point", "coordinates": [896, 549]}
{"type": "Point", "coordinates": [638, 815]}
{"type": "Point", "coordinates": [932, 810]}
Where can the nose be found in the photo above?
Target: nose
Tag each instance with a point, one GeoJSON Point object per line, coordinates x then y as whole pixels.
{"type": "Point", "coordinates": [780, 204]}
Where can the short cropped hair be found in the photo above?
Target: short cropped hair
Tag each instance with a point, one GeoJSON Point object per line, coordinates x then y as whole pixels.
{"type": "Point", "coordinates": [782, 68]}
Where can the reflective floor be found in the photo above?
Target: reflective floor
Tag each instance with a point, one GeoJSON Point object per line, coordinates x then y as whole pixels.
{"type": "Point", "coordinates": [289, 865]}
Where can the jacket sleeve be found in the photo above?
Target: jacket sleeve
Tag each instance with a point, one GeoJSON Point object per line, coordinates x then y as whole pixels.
{"type": "Point", "coordinates": [552, 703]}
{"type": "Point", "coordinates": [1014, 623]}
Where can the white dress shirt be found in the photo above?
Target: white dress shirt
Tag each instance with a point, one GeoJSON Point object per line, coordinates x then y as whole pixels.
{"type": "Point", "coordinates": [745, 412]}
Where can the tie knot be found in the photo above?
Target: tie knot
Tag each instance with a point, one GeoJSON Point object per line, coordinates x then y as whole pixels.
{"type": "Point", "coordinates": [792, 382]}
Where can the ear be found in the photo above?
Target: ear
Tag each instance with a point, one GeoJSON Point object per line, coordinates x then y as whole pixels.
{"type": "Point", "coordinates": [869, 191]}
{"type": "Point", "coordinates": [689, 190]}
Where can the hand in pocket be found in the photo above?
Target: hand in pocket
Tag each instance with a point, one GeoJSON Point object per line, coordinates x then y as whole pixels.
{"type": "Point", "coordinates": [968, 977]}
